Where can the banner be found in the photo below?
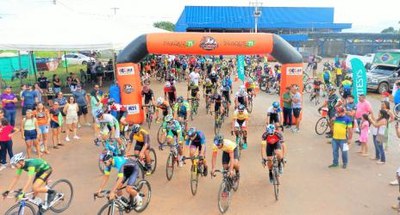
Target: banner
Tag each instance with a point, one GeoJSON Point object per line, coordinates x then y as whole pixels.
{"type": "Point", "coordinates": [240, 67]}
{"type": "Point", "coordinates": [359, 78]}
{"type": "Point", "coordinates": [387, 58]}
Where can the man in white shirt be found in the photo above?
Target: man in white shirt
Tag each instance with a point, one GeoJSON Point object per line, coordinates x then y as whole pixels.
{"type": "Point", "coordinates": [194, 76]}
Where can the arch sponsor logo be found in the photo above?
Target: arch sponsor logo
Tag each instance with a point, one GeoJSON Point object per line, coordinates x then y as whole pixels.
{"type": "Point", "coordinates": [132, 109]}
{"type": "Point", "coordinates": [294, 71]}
{"type": "Point", "coordinates": [128, 89]}
{"type": "Point", "coordinates": [208, 43]}
{"type": "Point", "coordinates": [126, 70]}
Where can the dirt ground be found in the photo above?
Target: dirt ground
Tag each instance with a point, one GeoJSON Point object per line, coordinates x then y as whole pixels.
{"type": "Point", "coordinates": [308, 186]}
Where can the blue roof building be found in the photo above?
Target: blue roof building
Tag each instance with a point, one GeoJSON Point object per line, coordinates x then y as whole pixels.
{"type": "Point", "coordinates": [292, 23]}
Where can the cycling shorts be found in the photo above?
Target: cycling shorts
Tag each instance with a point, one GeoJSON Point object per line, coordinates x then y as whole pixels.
{"type": "Point", "coordinates": [240, 124]}
{"type": "Point", "coordinates": [272, 147]}
{"type": "Point", "coordinates": [43, 175]}
{"type": "Point", "coordinates": [131, 172]}
{"type": "Point", "coordinates": [225, 156]}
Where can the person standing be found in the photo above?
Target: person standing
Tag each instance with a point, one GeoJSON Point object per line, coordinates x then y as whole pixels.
{"type": "Point", "coordinates": [378, 134]}
{"type": "Point", "coordinates": [342, 126]}
{"type": "Point", "coordinates": [29, 126]}
{"type": "Point", "coordinates": [62, 101]}
{"type": "Point", "coordinates": [39, 92]}
{"type": "Point", "coordinates": [43, 118]}
{"type": "Point", "coordinates": [363, 107]}
{"type": "Point", "coordinates": [82, 100]}
{"type": "Point", "coordinates": [55, 121]}
{"type": "Point", "coordinates": [43, 85]}
{"type": "Point", "coordinates": [287, 108]}
{"type": "Point", "coordinates": [29, 98]}
{"type": "Point", "coordinates": [9, 101]}
{"type": "Point", "coordinates": [6, 133]}
{"type": "Point", "coordinates": [95, 100]}
{"type": "Point", "coordinates": [296, 105]}
{"type": "Point", "coordinates": [71, 110]}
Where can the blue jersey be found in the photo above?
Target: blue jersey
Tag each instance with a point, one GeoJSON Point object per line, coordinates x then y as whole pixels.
{"type": "Point", "coordinates": [118, 163]}
{"type": "Point", "coordinates": [113, 147]}
{"type": "Point", "coordinates": [396, 98]}
{"type": "Point", "coordinates": [200, 139]}
{"type": "Point", "coordinates": [174, 126]}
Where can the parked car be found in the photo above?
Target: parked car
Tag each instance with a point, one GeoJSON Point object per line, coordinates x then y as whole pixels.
{"type": "Point", "coordinates": [77, 58]}
{"type": "Point", "coordinates": [381, 78]}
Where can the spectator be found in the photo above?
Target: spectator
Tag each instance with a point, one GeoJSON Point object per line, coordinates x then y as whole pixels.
{"type": "Point", "coordinates": [57, 84]}
{"type": "Point", "coordinates": [43, 84]}
{"type": "Point", "coordinates": [350, 108]}
{"type": "Point", "coordinates": [287, 108]}
{"type": "Point", "coordinates": [9, 101]}
{"type": "Point", "coordinates": [99, 72]}
{"type": "Point", "coordinates": [62, 101]}
{"type": "Point", "coordinates": [378, 135]}
{"type": "Point", "coordinates": [69, 79]}
{"type": "Point", "coordinates": [364, 128]}
{"type": "Point", "coordinates": [95, 100]}
{"type": "Point", "coordinates": [43, 119]}
{"type": "Point", "coordinates": [71, 110]}
{"type": "Point", "coordinates": [363, 107]}
{"type": "Point", "coordinates": [74, 82]}
{"type": "Point", "coordinates": [39, 92]}
{"type": "Point", "coordinates": [30, 99]}
{"type": "Point", "coordinates": [194, 76]}
{"type": "Point", "coordinates": [342, 126]}
{"type": "Point", "coordinates": [1, 114]}
{"type": "Point", "coordinates": [6, 133]}
{"type": "Point", "coordinates": [82, 100]}
{"type": "Point", "coordinates": [55, 125]}
{"type": "Point", "coordinates": [23, 88]}
{"type": "Point", "coordinates": [29, 126]}
{"type": "Point", "coordinates": [385, 105]}
{"type": "Point", "coordinates": [296, 105]}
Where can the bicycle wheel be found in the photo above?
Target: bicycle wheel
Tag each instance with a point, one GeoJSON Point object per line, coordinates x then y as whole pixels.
{"type": "Point", "coordinates": [192, 114]}
{"type": "Point", "coordinates": [321, 126]}
{"type": "Point", "coordinates": [194, 180]}
{"type": "Point", "coordinates": [169, 168]}
{"type": "Point", "coordinates": [101, 166]}
{"type": "Point", "coordinates": [153, 157]}
{"type": "Point", "coordinates": [308, 87]}
{"type": "Point", "coordinates": [235, 183]}
{"type": "Point", "coordinates": [224, 197]}
{"type": "Point", "coordinates": [217, 127]}
{"type": "Point", "coordinates": [250, 106]}
{"type": "Point", "coordinates": [276, 183]}
{"type": "Point", "coordinates": [108, 209]}
{"type": "Point", "coordinates": [144, 190]}
{"type": "Point", "coordinates": [65, 194]}
{"type": "Point", "coordinates": [17, 209]}
{"type": "Point", "coordinates": [396, 110]}
{"type": "Point", "coordinates": [160, 136]}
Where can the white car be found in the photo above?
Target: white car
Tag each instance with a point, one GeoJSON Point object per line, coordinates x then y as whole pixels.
{"type": "Point", "coordinates": [76, 58]}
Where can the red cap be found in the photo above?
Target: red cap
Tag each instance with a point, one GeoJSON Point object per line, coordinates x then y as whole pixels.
{"type": "Point", "coordinates": [386, 94]}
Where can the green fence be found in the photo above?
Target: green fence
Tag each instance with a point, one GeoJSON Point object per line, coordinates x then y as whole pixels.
{"type": "Point", "coordinates": [8, 65]}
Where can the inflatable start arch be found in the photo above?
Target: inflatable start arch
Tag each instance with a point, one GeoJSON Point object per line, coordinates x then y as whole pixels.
{"type": "Point", "coordinates": [200, 44]}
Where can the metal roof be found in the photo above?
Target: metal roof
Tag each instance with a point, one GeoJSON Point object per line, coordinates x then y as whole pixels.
{"type": "Point", "coordinates": [226, 17]}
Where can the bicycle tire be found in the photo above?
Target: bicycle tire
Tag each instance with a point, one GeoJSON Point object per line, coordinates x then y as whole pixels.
{"type": "Point", "coordinates": [224, 197]}
{"type": "Point", "coordinates": [235, 183]}
{"type": "Point", "coordinates": [153, 157]}
{"type": "Point", "coordinates": [140, 185]}
{"type": "Point", "coordinates": [149, 120]}
{"type": "Point", "coordinates": [396, 110]}
{"type": "Point", "coordinates": [15, 209]}
{"type": "Point", "coordinates": [71, 190]}
{"type": "Point", "coordinates": [194, 179]}
{"type": "Point", "coordinates": [217, 128]}
{"type": "Point", "coordinates": [322, 123]}
{"type": "Point", "coordinates": [101, 166]}
{"type": "Point", "coordinates": [160, 136]}
{"type": "Point", "coordinates": [250, 106]}
{"type": "Point", "coordinates": [276, 183]}
{"type": "Point", "coordinates": [308, 87]}
{"type": "Point", "coordinates": [109, 208]}
{"type": "Point", "coordinates": [169, 168]}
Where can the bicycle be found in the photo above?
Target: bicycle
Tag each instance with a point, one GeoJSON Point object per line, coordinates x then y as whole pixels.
{"type": "Point", "coordinates": [208, 103]}
{"type": "Point", "coordinates": [225, 105]}
{"type": "Point", "coordinates": [225, 190]}
{"type": "Point", "coordinates": [153, 161]}
{"type": "Point", "coordinates": [161, 136]}
{"type": "Point", "coordinates": [194, 106]}
{"type": "Point", "coordinates": [239, 141]}
{"type": "Point", "coordinates": [250, 103]}
{"type": "Point", "coordinates": [117, 152]}
{"type": "Point", "coordinates": [323, 123]}
{"type": "Point", "coordinates": [396, 110]}
{"type": "Point", "coordinates": [171, 160]}
{"type": "Point", "coordinates": [149, 114]}
{"type": "Point", "coordinates": [218, 122]}
{"type": "Point", "coordinates": [196, 170]}
{"type": "Point", "coordinates": [26, 204]}
{"type": "Point", "coordinates": [121, 204]}
{"type": "Point", "coordinates": [275, 175]}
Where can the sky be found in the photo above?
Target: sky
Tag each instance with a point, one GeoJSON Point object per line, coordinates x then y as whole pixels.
{"type": "Point", "coordinates": [366, 16]}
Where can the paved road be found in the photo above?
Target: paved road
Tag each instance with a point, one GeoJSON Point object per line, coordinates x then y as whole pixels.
{"type": "Point", "coordinates": [308, 186]}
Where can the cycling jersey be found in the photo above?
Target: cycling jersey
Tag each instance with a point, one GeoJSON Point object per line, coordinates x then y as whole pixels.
{"type": "Point", "coordinates": [172, 126]}
{"type": "Point", "coordinates": [227, 146]}
{"type": "Point", "coordinates": [273, 114]}
{"type": "Point", "coordinates": [118, 163]}
{"type": "Point", "coordinates": [249, 86]}
{"type": "Point", "coordinates": [272, 139]}
{"type": "Point", "coordinates": [139, 136]}
{"type": "Point", "coordinates": [198, 141]}
{"type": "Point", "coordinates": [33, 166]}
{"type": "Point", "coordinates": [148, 96]}
{"type": "Point", "coordinates": [317, 84]}
{"type": "Point", "coordinates": [112, 147]}
{"type": "Point", "coordinates": [208, 87]}
{"type": "Point", "coordinates": [193, 90]}
{"type": "Point", "coordinates": [240, 116]}
{"type": "Point", "coordinates": [164, 107]}
{"type": "Point", "coordinates": [109, 120]}
{"type": "Point", "coordinates": [182, 108]}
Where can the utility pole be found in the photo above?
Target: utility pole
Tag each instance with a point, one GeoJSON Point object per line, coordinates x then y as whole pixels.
{"type": "Point", "coordinates": [257, 13]}
{"type": "Point", "coordinates": [115, 10]}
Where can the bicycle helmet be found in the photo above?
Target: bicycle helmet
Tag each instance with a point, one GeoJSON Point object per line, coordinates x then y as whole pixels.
{"type": "Point", "coordinates": [99, 113]}
{"type": "Point", "coordinates": [168, 118]}
{"type": "Point", "coordinates": [277, 66]}
{"type": "Point", "coordinates": [111, 101]}
{"type": "Point", "coordinates": [106, 156]}
{"type": "Point", "coordinates": [241, 107]}
{"type": "Point", "coordinates": [270, 129]}
{"type": "Point", "coordinates": [159, 100]}
{"type": "Point", "coordinates": [179, 99]}
{"type": "Point", "coordinates": [275, 104]}
{"type": "Point", "coordinates": [135, 128]}
{"type": "Point", "coordinates": [218, 140]}
{"type": "Point", "coordinates": [17, 158]}
{"type": "Point", "coordinates": [192, 132]}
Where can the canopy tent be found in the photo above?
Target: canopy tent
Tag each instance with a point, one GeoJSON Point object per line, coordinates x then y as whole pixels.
{"type": "Point", "coordinates": [56, 29]}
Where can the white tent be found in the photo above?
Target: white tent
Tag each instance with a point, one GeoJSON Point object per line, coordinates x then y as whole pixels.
{"type": "Point", "coordinates": [56, 29]}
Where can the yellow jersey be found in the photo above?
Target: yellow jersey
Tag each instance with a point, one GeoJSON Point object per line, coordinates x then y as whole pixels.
{"type": "Point", "coordinates": [240, 116]}
{"type": "Point", "coordinates": [139, 137]}
{"type": "Point", "coordinates": [227, 146]}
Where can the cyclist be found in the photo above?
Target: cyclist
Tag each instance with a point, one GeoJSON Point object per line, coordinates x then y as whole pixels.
{"type": "Point", "coordinates": [163, 106]}
{"type": "Point", "coordinates": [182, 110]}
{"type": "Point", "coordinates": [226, 90]}
{"type": "Point", "coordinates": [331, 103]}
{"type": "Point", "coordinates": [250, 87]}
{"type": "Point", "coordinates": [142, 146]}
{"type": "Point", "coordinates": [128, 172]}
{"type": "Point", "coordinates": [270, 144]}
{"type": "Point", "coordinates": [109, 144]}
{"type": "Point", "coordinates": [316, 88]}
{"type": "Point", "coordinates": [230, 155]}
{"type": "Point", "coordinates": [274, 115]}
{"type": "Point", "coordinates": [107, 120]}
{"type": "Point", "coordinates": [35, 166]}
{"type": "Point", "coordinates": [197, 141]}
{"type": "Point", "coordinates": [194, 90]}
{"type": "Point", "coordinates": [327, 76]}
{"type": "Point", "coordinates": [148, 96]}
{"type": "Point", "coordinates": [173, 130]}
{"type": "Point", "coordinates": [240, 117]}
{"type": "Point", "coordinates": [207, 88]}
{"type": "Point", "coordinates": [214, 78]}
{"type": "Point", "coordinates": [216, 99]}
{"type": "Point", "coordinates": [346, 84]}
{"type": "Point", "coordinates": [169, 92]}
{"type": "Point", "coordinates": [241, 97]}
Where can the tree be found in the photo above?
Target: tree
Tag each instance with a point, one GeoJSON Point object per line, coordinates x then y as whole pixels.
{"type": "Point", "coordinates": [168, 26]}
{"type": "Point", "coordinates": [389, 30]}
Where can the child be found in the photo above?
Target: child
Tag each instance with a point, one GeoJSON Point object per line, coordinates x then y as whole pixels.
{"type": "Point", "coordinates": [317, 88]}
{"type": "Point", "coordinates": [385, 96]}
{"type": "Point", "coordinates": [6, 132]}
{"type": "Point", "coordinates": [364, 135]}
